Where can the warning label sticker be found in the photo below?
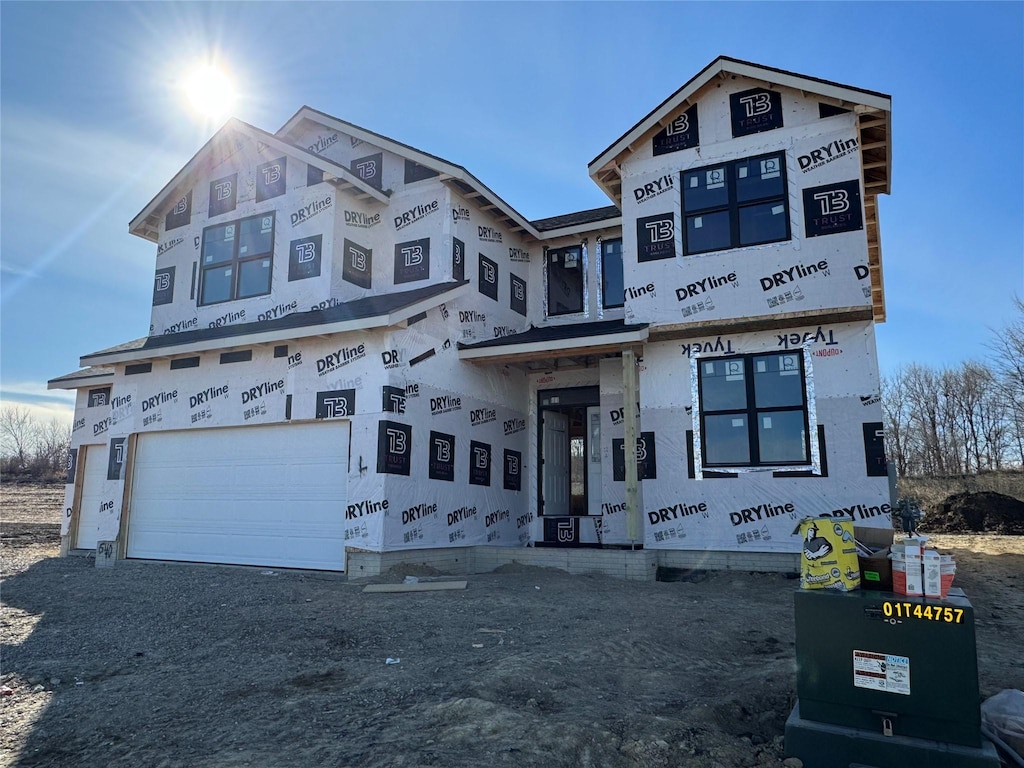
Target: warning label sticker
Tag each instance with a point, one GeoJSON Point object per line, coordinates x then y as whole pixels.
{"type": "Point", "coordinates": [881, 672]}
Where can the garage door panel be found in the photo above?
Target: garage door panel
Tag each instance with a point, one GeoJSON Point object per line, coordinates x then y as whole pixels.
{"type": "Point", "coordinates": [226, 545]}
{"type": "Point", "coordinates": [228, 478]}
{"type": "Point", "coordinates": [268, 495]}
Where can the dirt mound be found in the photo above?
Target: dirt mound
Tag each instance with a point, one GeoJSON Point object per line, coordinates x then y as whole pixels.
{"type": "Point", "coordinates": [984, 512]}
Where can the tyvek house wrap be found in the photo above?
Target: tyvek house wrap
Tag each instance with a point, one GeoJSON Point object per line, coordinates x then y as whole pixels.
{"type": "Point", "coordinates": [357, 376]}
{"type": "Point", "coordinates": [297, 210]}
{"type": "Point", "coordinates": [738, 509]}
{"type": "Point", "coordinates": [375, 381]}
{"type": "Point", "coordinates": [821, 266]}
{"type": "Point", "coordinates": [423, 424]}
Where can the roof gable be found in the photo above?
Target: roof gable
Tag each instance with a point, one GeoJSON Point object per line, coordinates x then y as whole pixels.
{"type": "Point", "coordinates": [219, 148]}
{"type": "Point", "coordinates": [450, 173]}
{"type": "Point", "coordinates": [874, 137]}
{"type": "Point", "coordinates": [872, 108]}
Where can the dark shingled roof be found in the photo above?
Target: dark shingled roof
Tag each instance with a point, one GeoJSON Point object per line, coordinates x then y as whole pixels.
{"type": "Point", "coordinates": [559, 333]}
{"type": "Point", "coordinates": [369, 306]}
{"type": "Point", "coordinates": [580, 217]}
{"type": "Point", "coordinates": [93, 372]}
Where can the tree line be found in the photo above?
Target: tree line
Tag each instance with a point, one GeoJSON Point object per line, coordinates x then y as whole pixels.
{"type": "Point", "coordinates": [962, 420]}
{"type": "Point", "coordinates": [30, 449]}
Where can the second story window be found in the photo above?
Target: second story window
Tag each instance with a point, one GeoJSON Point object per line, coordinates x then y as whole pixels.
{"type": "Point", "coordinates": [736, 204]}
{"type": "Point", "coordinates": [565, 280]}
{"type": "Point", "coordinates": [237, 259]}
{"type": "Point", "coordinates": [612, 286]}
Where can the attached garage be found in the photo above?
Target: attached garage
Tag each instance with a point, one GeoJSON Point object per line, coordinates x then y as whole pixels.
{"type": "Point", "coordinates": [93, 478]}
{"type": "Point", "coordinates": [262, 495]}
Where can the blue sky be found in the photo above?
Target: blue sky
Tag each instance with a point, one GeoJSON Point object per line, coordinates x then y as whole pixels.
{"type": "Point", "coordinates": [522, 94]}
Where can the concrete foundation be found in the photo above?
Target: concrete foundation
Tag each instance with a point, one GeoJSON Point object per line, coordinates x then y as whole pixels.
{"type": "Point", "coordinates": [632, 565]}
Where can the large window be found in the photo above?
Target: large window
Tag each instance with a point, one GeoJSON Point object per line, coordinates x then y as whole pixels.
{"type": "Point", "coordinates": [237, 259]}
{"type": "Point", "coordinates": [565, 280]}
{"type": "Point", "coordinates": [612, 286]}
{"type": "Point", "coordinates": [753, 410]}
{"type": "Point", "coordinates": [735, 204]}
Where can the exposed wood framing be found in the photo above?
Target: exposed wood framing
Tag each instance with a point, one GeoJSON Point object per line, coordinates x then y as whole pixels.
{"type": "Point", "coordinates": [129, 470]}
{"type": "Point", "coordinates": [630, 403]}
{"type": "Point", "coordinates": [69, 542]}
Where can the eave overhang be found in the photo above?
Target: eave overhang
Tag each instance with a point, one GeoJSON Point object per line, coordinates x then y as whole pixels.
{"type": "Point", "coordinates": [545, 348]}
{"type": "Point", "coordinates": [95, 376]}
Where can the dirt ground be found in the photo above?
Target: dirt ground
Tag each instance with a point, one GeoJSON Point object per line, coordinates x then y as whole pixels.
{"type": "Point", "coordinates": [150, 664]}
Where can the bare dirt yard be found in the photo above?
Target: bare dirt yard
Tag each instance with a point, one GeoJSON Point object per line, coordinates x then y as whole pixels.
{"type": "Point", "coordinates": [152, 664]}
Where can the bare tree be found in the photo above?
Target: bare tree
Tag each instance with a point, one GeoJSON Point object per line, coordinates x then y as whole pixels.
{"type": "Point", "coordinates": [924, 392]}
{"type": "Point", "coordinates": [897, 428]}
{"type": "Point", "coordinates": [1008, 346]}
{"type": "Point", "coordinates": [53, 439]}
{"type": "Point", "coordinates": [17, 433]}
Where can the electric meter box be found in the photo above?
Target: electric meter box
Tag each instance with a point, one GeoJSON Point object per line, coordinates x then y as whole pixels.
{"type": "Point", "coordinates": [886, 680]}
{"type": "Point", "coordinates": [865, 657]}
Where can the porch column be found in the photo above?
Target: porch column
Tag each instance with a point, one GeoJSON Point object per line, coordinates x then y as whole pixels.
{"type": "Point", "coordinates": [629, 410]}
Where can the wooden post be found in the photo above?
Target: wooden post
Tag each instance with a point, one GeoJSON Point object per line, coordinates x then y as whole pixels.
{"type": "Point", "coordinates": [121, 542]}
{"type": "Point", "coordinates": [68, 542]}
{"type": "Point", "coordinates": [629, 410]}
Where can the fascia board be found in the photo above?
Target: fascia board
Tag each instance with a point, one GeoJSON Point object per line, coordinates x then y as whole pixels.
{"type": "Point", "coordinates": [467, 178]}
{"type": "Point", "coordinates": [557, 345]}
{"type": "Point", "coordinates": [81, 381]}
{"type": "Point", "coordinates": [798, 83]}
{"type": "Point", "coordinates": [659, 112]}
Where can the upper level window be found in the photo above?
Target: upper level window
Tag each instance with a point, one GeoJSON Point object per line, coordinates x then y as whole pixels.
{"type": "Point", "coordinates": [612, 286]}
{"type": "Point", "coordinates": [237, 259]}
{"type": "Point", "coordinates": [736, 204]}
{"type": "Point", "coordinates": [565, 280]}
{"type": "Point", "coordinates": [753, 410]}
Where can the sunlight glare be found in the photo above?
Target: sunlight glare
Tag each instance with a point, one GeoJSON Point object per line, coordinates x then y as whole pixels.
{"type": "Point", "coordinates": [210, 92]}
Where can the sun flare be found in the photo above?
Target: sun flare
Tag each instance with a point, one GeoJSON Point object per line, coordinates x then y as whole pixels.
{"type": "Point", "coordinates": [210, 92]}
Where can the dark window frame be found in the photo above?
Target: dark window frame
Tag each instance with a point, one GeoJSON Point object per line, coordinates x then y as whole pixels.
{"type": "Point", "coordinates": [236, 261]}
{"type": "Point", "coordinates": [604, 275]}
{"type": "Point", "coordinates": [752, 412]}
{"type": "Point", "coordinates": [561, 253]}
{"type": "Point", "coordinates": [733, 206]}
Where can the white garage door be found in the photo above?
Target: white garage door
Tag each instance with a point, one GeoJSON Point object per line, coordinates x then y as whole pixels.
{"type": "Point", "coordinates": [266, 495]}
{"type": "Point", "coordinates": [95, 469]}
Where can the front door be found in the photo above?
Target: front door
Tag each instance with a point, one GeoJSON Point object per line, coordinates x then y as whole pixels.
{"type": "Point", "coordinates": [570, 464]}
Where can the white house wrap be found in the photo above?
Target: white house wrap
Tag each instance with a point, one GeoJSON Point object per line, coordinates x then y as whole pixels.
{"type": "Point", "coordinates": [355, 344]}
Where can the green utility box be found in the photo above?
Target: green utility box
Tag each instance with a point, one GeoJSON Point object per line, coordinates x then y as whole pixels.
{"type": "Point", "coordinates": [886, 680]}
